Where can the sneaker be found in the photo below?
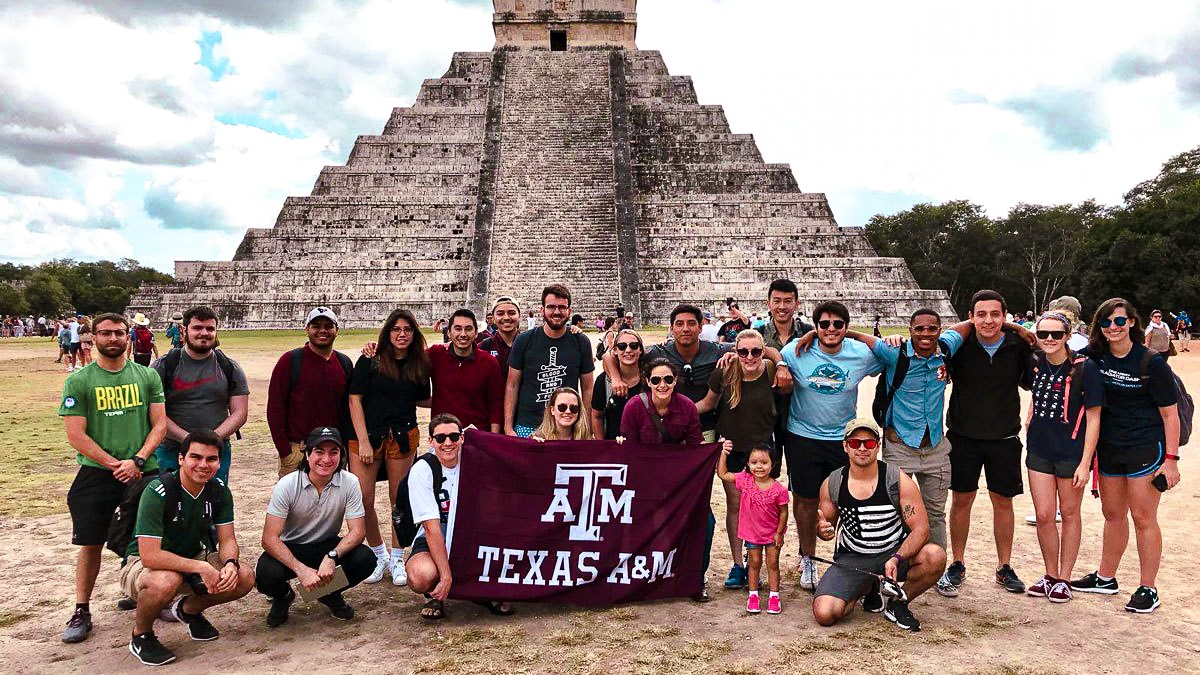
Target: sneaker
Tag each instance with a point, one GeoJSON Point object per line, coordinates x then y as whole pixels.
{"type": "Point", "coordinates": [399, 574]}
{"type": "Point", "coordinates": [278, 614]}
{"type": "Point", "coordinates": [702, 596]}
{"type": "Point", "coordinates": [382, 566]}
{"type": "Point", "coordinates": [1060, 591]}
{"type": "Point", "coordinates": [1041, 587]}
{"type": "Point", "coordinates": [1144, 600]}
{"type": "Point", "coordinates": [808, 573]}
{"type": "Point", "coordinates": [774, 605]}
{"type": "Point", "coordinates": [898, 613]}
{"type": "Point", "coordinates": [738, 577]}
{"type": "Point", "coordinates": [126, 604]}
{"type": "Point", "coordinates": [1006, 577]}
{"type": "Point", "coordinates": [752, 604]}
{"type": "Point", "coordinates": [338, 607]}
{"type": "Point", "coordinates": [952, 580]}
{"type": "Point", "coordinates": [1092, 583]}
{"type": "Point", "coordinates": [78, 626]}
{"type": "Point", "coordinates": [198, 626]}
{"type": "Point", "coordinates": [1032, 519]}
{"type": "Point", "coordinates": [149, 650]}
{"type": "Point", "coordinates": [873, 600]}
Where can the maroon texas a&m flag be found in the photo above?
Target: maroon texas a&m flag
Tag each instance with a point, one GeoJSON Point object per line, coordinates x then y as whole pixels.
{"type": "Point", "coordinates": [579, 522]}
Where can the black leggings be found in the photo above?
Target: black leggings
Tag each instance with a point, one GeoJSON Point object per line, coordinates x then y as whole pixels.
{"type": "Point", "coordinates": [272, 576]}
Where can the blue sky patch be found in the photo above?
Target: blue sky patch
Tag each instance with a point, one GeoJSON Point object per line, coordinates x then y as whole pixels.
{"type": "Point", "coordinates": [260, 122]}
{"type": "Point", "coordinates": [217, 67]}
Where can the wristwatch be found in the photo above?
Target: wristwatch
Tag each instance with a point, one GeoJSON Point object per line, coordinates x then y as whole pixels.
{"type": "Point", "coordinates": [332, 555]}
{"type": "Point", "coordinates": [139, 462]}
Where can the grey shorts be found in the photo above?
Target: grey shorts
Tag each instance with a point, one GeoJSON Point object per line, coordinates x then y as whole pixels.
{"type": "Point", "coordinates": [849, 585]}
{"type": "Point", "coordinates": [1061, 468]}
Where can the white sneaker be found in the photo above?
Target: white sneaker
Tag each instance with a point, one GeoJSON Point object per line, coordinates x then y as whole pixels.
{"type": "Point", "coordinates": [1032, 520]}
{"type": "Point", "coordinates": [381, 567]}
{"type": "Point", "coordinates": [808, 573]}
{"type": "Point", "coordinates": [399, 574]}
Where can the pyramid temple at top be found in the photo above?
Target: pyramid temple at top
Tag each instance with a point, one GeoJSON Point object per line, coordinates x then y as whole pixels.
{"type": "Point", "coordinates": [565, 154]}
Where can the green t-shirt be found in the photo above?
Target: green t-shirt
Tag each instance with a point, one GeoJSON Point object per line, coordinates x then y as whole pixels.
{"type": "Point", "coordinates": [116, 405]}
{"type": "Point", "coordinates": [188, 532]}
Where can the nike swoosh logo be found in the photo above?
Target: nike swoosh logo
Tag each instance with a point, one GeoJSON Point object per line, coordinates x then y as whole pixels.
{"type": "Point", "coordinates": [180, 385]}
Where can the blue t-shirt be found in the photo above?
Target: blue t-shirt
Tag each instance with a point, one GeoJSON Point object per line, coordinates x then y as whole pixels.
{"type": "Point", "coordinates": [825, 393]}
{"type": "Point", "coordinates": [1056, 432]}
{"type": "Point", "coordinates": [1131, 418]}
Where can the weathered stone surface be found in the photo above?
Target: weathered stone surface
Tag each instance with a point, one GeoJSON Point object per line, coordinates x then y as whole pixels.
{"type": "Point", "coordinates": [523, 166]}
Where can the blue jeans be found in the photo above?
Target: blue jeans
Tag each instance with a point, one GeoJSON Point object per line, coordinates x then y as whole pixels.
{"type": "Point", "coordinates": [168, 459]}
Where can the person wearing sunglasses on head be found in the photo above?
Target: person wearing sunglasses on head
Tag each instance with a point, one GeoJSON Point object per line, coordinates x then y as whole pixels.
{"type": "Point", "coordinates": [743, 396]}
{"type": "Point", "coordinates": [564, 419]}
{"type": "Point", "coordinates": [607, 406]}
{"type": "Point", "coordinates": [1137, 453]}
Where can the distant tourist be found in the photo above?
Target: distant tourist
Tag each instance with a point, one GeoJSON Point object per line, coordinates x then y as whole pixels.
{"type": "Point", "coordinates": [1069, 306]}
{"type": "Point", "coordinates": [1183, 330]}
{"type": "Point", "coordinates": [73, 345]}
{"type": "Point", "coordinates": [141, 343]}
{"type": "Point", "coordinates": [1158, 335]}
{"type": "Point", "coordinates": [86, 342]}
{"type": "Point", "coordinates": [175, 330]}
{"type": "Point", "coordinates": [708, 330]}
{"type": "Point", "coordinates": [737, 323]}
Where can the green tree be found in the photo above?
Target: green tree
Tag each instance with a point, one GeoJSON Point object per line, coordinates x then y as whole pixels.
{"type": "Point", "coordinates": [46, 294]}
{"type": "Point", "coordinates": [1039, 243]}
{"type": "Point", "coordinates": [12, 300]}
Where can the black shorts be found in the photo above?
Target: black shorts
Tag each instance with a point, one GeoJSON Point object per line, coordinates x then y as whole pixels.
{"type": "Point", "coordinates": [1064, 468]}
{"type": "Point", "coordinates": [92, 499]}
{"type": "Point", "coordinates": [1000, 462]}
{"type": "Point", "coordinates": [849, 585]}
{"type": "Point", "coordinates": [810, 461]}
{"type": "Point", "coordinates": [1135, 462]}
{"type": "Point", "coordinates": [142, 359]}
{"type": "Point", "coordinates": [73, 348]}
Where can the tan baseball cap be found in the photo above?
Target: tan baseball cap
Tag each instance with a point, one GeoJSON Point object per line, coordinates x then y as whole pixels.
{"type": "Point", "coordinates": [862, 423]}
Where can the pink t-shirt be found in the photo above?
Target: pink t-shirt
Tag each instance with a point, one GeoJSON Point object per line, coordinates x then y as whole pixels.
{"type": "Point", "coordinates": [759, 515]}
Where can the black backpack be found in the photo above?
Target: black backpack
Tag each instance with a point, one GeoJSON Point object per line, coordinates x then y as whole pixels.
{"type": "Point", "coordinates": [120, 529]}
{"type": "Point", "coordinates": [296, 362]}
{"type": "Point", "coordinates": [1186, 407]}
{"type": "Point", "coordinates": [884, 394]}
{"type": "Point", "coordinates": [402, 517]}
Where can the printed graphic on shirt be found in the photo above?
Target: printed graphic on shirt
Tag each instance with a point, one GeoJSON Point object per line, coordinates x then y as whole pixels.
{"type": "Point", "coordinates": [115, 400]}
{"type": "Point", "coordinates": [827, 378]}
{"type": "Point", "coordinates": [1049, 389]}
{"type": "Point", "coordinates": [869, 529]}
{"type": "Point", "coordinates": [1115, 377]}
{"type": "Point", "coordinates": [550, 376]}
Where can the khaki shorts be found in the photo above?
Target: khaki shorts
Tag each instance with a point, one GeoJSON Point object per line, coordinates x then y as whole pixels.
{"type": "Point", "coordinates": [389, 447]}
{"type": "Point", "coordinates": [131, 573]}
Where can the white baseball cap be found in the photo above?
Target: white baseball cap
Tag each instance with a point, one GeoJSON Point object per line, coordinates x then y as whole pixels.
{"type": "Point", "coordinates": [318, 312]}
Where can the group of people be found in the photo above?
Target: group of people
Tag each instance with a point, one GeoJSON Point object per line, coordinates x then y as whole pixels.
{"type": "Point", "coordinates": [782, 396]}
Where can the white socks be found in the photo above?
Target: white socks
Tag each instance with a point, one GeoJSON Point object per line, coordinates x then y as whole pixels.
{"type": "Point", "coordinates": [380, 551]}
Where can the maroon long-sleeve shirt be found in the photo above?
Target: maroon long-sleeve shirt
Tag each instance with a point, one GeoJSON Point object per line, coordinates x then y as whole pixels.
{"type": "Point", "coordinates": [470, 388]}
{"type": "Point", "coordinates": [319, 399]}
{"type": "Point", "coordinates": [682, 422]}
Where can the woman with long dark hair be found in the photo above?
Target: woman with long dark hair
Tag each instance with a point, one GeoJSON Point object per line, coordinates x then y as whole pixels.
{"type": "Point", "coordinates": [384, 393]}
{"type": "Point", "coordinates": [607, 407]}
{"type": "Point", "coordinates": [1138, 446]}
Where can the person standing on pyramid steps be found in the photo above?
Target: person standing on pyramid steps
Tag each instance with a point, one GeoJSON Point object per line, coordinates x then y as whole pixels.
{"type": "Point", "coordinates": [507, 315]}
{"type": "Point", "coordinates": [1137, 455]}
{"type": "Point", "coordinates": [113, 450]}
{"type": "Point", "coordinates": [543, 360]}
{"type": "Point", "coordinates": [987, 362]}
{"type": "Point", "coordinates": [385, 391]}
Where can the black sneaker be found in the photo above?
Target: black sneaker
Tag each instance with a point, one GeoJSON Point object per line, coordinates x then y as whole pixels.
{"type": "Point", "coordinates": [338, 607]}
{"type": "Point", "coordinates": [873, 600]}
{"type": "Point", "coordinates": [126, 604]}
{"type": "Point", "coordinates": [1006, 577]}
{"type": "Point", "coordinates": [1092, 583]}
{"type": "Point", "coordinates": [198, 626]}
{"type": "Point", "coordinates": [149, 650]}
{"type": "Point", "coordinates": [1144, 600]}
{"type": "Point", "coordinates": [898, 613]}
{"type": "Point", "coordinates": [278, 614]}
{"type": "Point", "coordinates": [78, 627]}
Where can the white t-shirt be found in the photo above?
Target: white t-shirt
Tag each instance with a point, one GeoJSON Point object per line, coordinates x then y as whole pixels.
{"type": "Point", "coordinates": [709, 332]}
{"type": "Point", "coordinates": [74, 328]}
{"type": "Point", "coordinates": [1077, 341]}
{"type": "Point", "coordinates": [424, 506]}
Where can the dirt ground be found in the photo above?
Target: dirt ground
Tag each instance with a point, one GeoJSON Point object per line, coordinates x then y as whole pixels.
{"type": "Point", "coordinates": [983, 630]}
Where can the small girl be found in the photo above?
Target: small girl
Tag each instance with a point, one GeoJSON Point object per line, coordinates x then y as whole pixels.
{"type": "Point", "coordinates": [762, 519]}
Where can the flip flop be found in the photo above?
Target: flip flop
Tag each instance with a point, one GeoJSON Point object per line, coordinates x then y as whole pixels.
{"type": "Point", "coordinates": [437, 610]}
{"type": "Point", "coordinates": [493, 606]}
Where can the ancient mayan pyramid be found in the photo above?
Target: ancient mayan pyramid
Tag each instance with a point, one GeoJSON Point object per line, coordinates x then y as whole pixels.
{"type": "Point", "coordinates": [564, 154]}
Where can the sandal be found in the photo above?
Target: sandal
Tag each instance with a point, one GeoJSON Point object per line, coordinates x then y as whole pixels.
{"type": "Point", "coordinates": [496, 607]}
{"type": "Point", "coordinates": [433, 610]}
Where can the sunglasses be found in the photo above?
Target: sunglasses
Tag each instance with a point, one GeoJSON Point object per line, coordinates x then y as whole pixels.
{"type": "Point", "coordinates": [452, 437]}
{"type": "Point", "coordinates": [1051, 334]}
{"type": "Point", "coordinates": [665, 379]}
{"type": "Point", "coordinates": [1120, 321]}
{"type": "Point", "coordinates": [868, 443]}
{"type": "Point", "coordinates": [564, 407]}
{"type": "Point", "coordinates": [622, 346]}
{"type": "Point", "coordinates": [744, 352]}
{"type": "Point", "coordinates": [837, 324]}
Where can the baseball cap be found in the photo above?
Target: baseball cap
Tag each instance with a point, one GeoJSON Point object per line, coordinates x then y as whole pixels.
{"type": "Point", "coordinates": [322, 434]}
{"type": "Point", "coordinates": [505, 299]}
{"type": "Point", "coordinates": [319, 312]}
{"type": "Point", "coordinates": [628, 315]}
{"type": "Point", "coordinates": [708, 315]}
{"type": "Point", "coordinates": [862, 423]}
{"type": "Point", "coordinates": [1068, 303]}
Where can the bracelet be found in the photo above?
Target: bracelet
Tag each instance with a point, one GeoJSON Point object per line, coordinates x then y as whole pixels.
{"type": "Point", "coordinates": [1174, 457]}
{"type": "Point", "coordinates": [898, 557]}
{"type": "Point", "coordinates": [236, 566]}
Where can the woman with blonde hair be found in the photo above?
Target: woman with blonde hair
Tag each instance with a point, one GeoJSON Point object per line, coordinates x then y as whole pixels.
{"type": "Point", "coordinates": [563, 419]}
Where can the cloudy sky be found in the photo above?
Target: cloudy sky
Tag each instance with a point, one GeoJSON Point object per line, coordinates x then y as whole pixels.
{"type": "Point", "coordinates": [159, 129]}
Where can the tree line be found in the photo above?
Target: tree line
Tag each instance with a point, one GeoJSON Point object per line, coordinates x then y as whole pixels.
{"type": "Point", "coordinates": [59, 286]}
{"type": "Point", "coordinates": [1147, 250]}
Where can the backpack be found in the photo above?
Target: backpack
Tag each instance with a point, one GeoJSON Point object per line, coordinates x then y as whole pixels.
{"type": "Point", "coordinates": [1186, 406]}
{"type": "Point", "coordinates": [120, 529]}
{"type": "Point", "coordinates": [143, 340]}
{"type": "Point", "coordinates": [402, 517]}
{"type": "Point", "coordinates": [884, 394]}
{"type": "Point", "coordinates": [891, 480]}
{"type": "Point", "coordinates": [170, 364]}
{"type": "Point", "coordinates": [296, 357]}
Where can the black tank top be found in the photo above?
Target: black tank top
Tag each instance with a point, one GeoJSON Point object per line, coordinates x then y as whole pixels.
{"type": "Point", "coordinates": [870, 526]}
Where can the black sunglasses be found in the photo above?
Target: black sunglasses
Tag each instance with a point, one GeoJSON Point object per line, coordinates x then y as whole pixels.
{"type": "Point", "coordinates": [744, 352]}
{"type": "Point", "coordinates": [1120, 321]}
{"type": "Point", "coordinates": [622, 346]}
{"type": "Point", "coordinates": [453, 436]}
{"type": "Point", "coordinates": [668, 379]}
{"type": "Point", "coordinates": [838, 324]}
{"type": "Point", "coordinates": [1051, 334]}
{"type": "Point", "coordinates": [564, 407]}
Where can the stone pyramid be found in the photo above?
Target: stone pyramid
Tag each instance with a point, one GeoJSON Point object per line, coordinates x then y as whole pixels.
{"type": "Point", "coordinates": [564, 154]}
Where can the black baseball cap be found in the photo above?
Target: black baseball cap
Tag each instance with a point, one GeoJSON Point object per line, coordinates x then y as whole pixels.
{"type": "Point", "coordinates": [321, 434]}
